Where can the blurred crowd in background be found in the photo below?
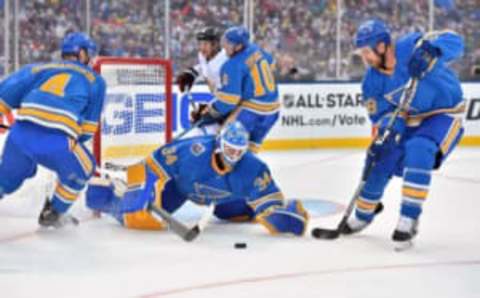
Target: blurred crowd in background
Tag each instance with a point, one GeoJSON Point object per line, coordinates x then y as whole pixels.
{"type": "Point", "coordinates": [302, 34]}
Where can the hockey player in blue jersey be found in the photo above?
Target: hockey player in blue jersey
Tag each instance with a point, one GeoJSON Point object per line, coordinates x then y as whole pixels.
{"type": "Point", "coordinates": [205, 169]}
{"type": "Point", "coordinates": [58, 106]}
{"type": "Point", "coordinates": [425, 134]}
{"type": "Point", "coordinates": [248, 91]}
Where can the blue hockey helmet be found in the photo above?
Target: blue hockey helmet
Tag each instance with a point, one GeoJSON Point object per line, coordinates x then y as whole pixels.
{"type": "Point", "coordinates": [372, 32]}
{"type": "Point", "coordinates": [75, 41]}
{"type": "Point", "coordinates": [237, 35]}
{"type": "Point", "coordinates": [233, 142]}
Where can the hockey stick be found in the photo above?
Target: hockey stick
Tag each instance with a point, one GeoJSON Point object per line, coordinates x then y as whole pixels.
{"type": "Point", "coordinates": [405, 101]}
{"type": "Point", "coordinates": [186, 233]}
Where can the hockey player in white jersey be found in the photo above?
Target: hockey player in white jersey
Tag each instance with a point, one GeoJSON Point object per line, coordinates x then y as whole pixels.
{"type": "Point", "coordinates": [211, 57]}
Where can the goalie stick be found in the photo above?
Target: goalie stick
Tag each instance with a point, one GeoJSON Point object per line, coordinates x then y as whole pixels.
{"type": "Point", "coordinates": [186, 233]}
{"type": "Point", "coordinates": [183, 230]}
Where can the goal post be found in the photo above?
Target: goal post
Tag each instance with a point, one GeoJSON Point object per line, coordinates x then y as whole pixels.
{"type": "Point", "coordinates": [137, 113]}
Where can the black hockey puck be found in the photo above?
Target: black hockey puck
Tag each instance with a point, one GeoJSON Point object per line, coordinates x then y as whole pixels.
{"type": "Point", "coordinates": [240, 245]}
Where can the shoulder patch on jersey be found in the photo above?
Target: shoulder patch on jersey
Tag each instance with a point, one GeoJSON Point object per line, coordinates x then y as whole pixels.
{"type": "Point", "coordinates": [262, 182]}
{"type": "Point", "coordinates": [197, 149]}
{"type": "Point", "coordinates": [170, 159]}
{"type": "Point", "coordinates": [371, 106]}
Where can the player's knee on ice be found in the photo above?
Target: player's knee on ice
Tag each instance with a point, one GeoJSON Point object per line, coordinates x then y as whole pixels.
{"type": "Point", "coordinates": [291, 218]}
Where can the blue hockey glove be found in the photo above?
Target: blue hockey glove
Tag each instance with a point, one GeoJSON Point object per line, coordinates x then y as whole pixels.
{"type": "Point", "coordinates": [421, 58]}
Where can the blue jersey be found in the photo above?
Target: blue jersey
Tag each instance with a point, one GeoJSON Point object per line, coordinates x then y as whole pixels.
{"type": "Point", "coordinates": [189, 164]}
{"type": "Point", "coordinates": [247, 79]}
{"type": "Point", "coordinates": [438, 92]}
{"type": "Point", "coordinates": [64, 95]}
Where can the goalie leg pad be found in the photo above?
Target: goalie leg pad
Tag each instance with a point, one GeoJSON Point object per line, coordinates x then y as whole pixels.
{"type": "Point", "coordinates": [292, 218]}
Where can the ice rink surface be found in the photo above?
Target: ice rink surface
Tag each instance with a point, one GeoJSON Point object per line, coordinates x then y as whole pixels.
{"type": "Point", "coordinates": [101, 259]}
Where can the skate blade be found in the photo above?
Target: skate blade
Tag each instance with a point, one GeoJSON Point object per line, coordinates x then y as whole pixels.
{"type": "Point", "coordinates": [400, 246]}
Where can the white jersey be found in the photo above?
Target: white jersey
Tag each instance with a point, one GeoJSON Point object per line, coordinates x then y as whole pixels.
{"type": "Point", "coordinates": [210, 70]}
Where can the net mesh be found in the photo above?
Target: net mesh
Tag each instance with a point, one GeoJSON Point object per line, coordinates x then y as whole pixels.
{"type": "Point", "coordinates": [134, 121]}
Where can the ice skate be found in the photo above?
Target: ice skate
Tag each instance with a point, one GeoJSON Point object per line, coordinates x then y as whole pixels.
{"type": "Point", "coordinates": [404, 233]}
{"type": "Point", "coordinates": [49, 217]}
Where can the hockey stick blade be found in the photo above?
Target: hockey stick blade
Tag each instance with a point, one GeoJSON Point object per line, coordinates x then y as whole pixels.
{"type": "Point", "coordinates": [329, 234]}
{"type": "Point", "coordinates": [192, 234]}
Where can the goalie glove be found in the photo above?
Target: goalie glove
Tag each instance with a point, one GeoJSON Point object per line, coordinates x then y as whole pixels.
{"type": "Point", "coordinates": [186, 79]}
{"type": "Point", "coordinates": [421, 59]}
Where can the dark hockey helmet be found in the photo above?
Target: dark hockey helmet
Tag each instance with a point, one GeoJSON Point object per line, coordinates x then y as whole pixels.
{"type": "Point", "coordinates": [208, 34]}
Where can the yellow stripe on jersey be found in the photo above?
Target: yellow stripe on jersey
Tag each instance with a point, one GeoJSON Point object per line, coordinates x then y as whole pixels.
{"type": "Point", "coordinates": [51, 117]}
{"type": "Point", "coordinates": [4, 107]}
{"type": "Point", "coordinates": [136, 175]}
{"type": "Point", "coordinates": [88, 74]}
{"type": "Point", "coordinates": [261, 107]}
{"type": "Point", "coordinates": [65, 194]}
{"type": "Point", "coordinates": [83, 158]}
{"type": "Point", "coordinates": [228, 98]}
{"type": "Point", "coordinates": [452, 134]}
{"type": "Point", "coordinates": [414, 193]}
{"type": "Point", "coordinates": [415, 120]}
{"type": "Point", "coordinates": [89, 127]}
{"type": "Point", "coordinates": [142, 220]}
{"type": "Point", "coordinates": [157, 169]}
{"type": "Point", "coordinates": [159, 187]}
{"type": "Point", "coordinates": [273, 197]}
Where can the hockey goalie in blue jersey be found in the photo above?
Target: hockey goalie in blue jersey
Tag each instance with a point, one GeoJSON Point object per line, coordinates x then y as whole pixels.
{"type": "Point", "coordinates": [58, 107]}
{"type": "Point", "coordinates": [423, 135]}
{"type": "Point", "coordinates": [206, 169]}
{"type": "Point", "coordinates": [248, 91]}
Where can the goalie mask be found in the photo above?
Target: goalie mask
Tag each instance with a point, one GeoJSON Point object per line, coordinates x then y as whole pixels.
{"type": "Point", "coordinates": [233, 142]}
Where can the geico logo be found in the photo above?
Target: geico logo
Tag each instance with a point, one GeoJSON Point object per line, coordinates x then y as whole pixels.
{"type": "Point", "coordinates": [473, 112]}
{"type": "Point", "coordinates": [139, 113]}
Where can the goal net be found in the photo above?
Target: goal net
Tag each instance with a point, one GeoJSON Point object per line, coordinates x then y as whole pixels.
{"type": "Point", "coordinates": [137, 113]}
